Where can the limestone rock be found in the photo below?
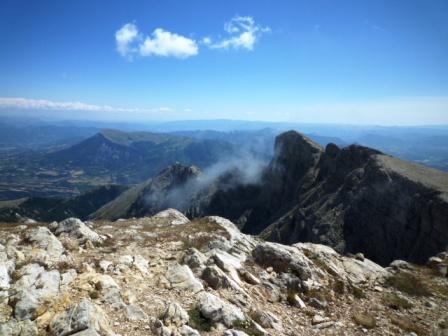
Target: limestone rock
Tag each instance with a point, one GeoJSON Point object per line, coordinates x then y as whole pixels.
{"type": "Point", "coordinates": [282, 258]}
{"type": "Point", "coordinates": [34, 287]}
{"type": "Point", "coordinates": [141, 264]}
{"type": "Point", "coordinates": [79, 317]}
{"type": "Point", "coordinates": [249, 277]}
{"type": "Point", "coordinates": [135, 313]}
{"type": "Point", "coordinates": [194, 259]}
{"type": "Point", "coordinates": [267, 319]}
{"type": "Point", "coordinates": [181, 276]}
{"type": "Point", "coordinates": [233, 332]}
{"type": "Point", "coordinates": [186, 330]}
{"type": "Point", "coordinates": [77, 229]}
{"type": "Point", "coordinates": [218, 311]}
{"type": "Point", "coordinates": [5, 279]}
{"type": "Point", "coordinates": [175, 315]}
{"type": "Point", "coordinates": [173, 216]}
{"type": "Point", "coordinates": [216, 278]}
{"type": "Point", "coordinates": [49, 249]}
{"type": "Point", "coordinates": [106, 265]}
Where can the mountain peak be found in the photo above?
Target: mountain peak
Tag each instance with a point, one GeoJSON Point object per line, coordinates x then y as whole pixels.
{"type": "Point", "coordinates": [294, 155]}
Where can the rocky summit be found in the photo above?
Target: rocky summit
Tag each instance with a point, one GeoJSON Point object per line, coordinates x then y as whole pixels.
{"type": "Point", "coordinates": [167, 275]}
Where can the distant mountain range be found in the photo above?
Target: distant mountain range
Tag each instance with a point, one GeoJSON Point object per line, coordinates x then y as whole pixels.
{"type": "Point", "coordinates": [67, 158]}
{"type": "Point", "coordinates": [134, 156]}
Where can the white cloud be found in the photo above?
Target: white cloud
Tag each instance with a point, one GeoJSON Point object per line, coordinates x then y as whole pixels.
{"type": "Point", "coordinates": [130, 42]}
{"type": "Point", "coordinates": [163, 109]}
{"type": "Point", "coordinates": [164, 43]}
{"type": "Point", "coordinates": [206, 40]}
{"type": "Point", "coordinates": [125, 37]}
{"type": "Point", "coordinates": [42, 104]}
{"type": "Point", "coordinates": [243, 31]}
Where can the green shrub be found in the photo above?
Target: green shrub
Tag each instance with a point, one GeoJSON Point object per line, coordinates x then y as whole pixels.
{"type": "Point", "coordinates": [197, 321]}
{"type": "Point", "coordinates": [247, 326]}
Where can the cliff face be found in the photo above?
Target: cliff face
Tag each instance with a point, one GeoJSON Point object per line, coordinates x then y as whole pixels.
{"type": "Point", "coordinates": [357, 199]}
{"type": "Point", "coordinates": [353, 199]}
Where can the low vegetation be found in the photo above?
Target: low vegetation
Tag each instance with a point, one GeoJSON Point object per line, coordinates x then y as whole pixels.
{"type": "Point", "coordinates": [408, 283]}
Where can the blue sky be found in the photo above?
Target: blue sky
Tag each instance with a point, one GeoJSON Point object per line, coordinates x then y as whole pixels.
{"type": "Point", "coordinates": [360, 61]}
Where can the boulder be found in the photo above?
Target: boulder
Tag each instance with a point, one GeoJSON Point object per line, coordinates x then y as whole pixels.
{"type": "Point", "coordinates": [80, 317]}
{"type": "Point", "coordinates": [181, 277]}
{"type": "Point", "coordinates": [35, 287]}
{"type": "Point", "coordinates": [283, 259]}
{"type": "Point", "coordinates": [194, 259]}
{"type": "Point", "coordinates": [48, 250]}
{"type": "Point", "coordinates": [68, 277]}
{"type": "Point", "coordinates": [267, 319]}
{"type": "Point", "coordinates": [141, 264]}
{"type": "Point", "coordinates": [175, 315]}
{"type": "Point", "coordinates": [188, 331]}
{"type": "Point", "coordinates": [248, 277]}
{"type": "Point", "coordinates": [216, 279]}
{"type": "Point", "coordinates": [5, 279]}
{"type": "Point", "coordinates": [105, 265]}
{"type": "Point", "coordinates": [218, 311]}
{"type": "Point", "coordinates": [10, 328]}
{"type": "Point", "coordinates": [135, 313]}
{"type": "Point", "coordinates": [159, 329]}
{"type": "Point", "coordinates": [173, 216]}
{"type": "Point", "coordinates": [77, 229]}
{"type": "Point", "coordinates": [234, 332]}
{"type": "Point", "coordinates": [126, 260]}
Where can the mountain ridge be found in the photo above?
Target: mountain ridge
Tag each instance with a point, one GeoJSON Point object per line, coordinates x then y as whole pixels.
{"type": "Point", "coordinates": [353, 199]}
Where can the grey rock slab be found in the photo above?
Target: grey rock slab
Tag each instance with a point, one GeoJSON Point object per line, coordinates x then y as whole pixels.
{"type": "Point", "coordinates": [181, 276]}
{"type": "Point", "coordinates": [175, 315]}
{"type": "Point", "coordinates": [80, 317]}
{"type": "Point", "coordinates": [218, 311]}
{"type": "Point", "coordinates": [76, 228]}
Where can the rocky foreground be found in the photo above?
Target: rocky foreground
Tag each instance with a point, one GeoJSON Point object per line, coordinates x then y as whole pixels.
{"type": "Point", "coordinates": [165, 275]}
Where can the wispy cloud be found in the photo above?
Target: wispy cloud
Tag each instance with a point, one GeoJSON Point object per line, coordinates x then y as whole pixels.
{"type": "Point", "coordinates": [125, 37]}
{"type": "Point", "coordinates": [242, 33]}
{"type": "Point", "coordinates": [130, 42]}
{"type": "Point", "coordinates": [43, 104]}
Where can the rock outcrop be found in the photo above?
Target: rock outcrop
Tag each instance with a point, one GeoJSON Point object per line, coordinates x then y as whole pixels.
{"type": "Point", "coordinates": [156, 276]}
